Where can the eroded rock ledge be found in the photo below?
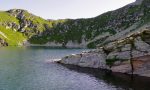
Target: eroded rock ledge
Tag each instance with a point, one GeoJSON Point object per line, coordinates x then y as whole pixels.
{"type": "Point", "coordinates": [93, 59]}
{"type": "Point", "coordinates": [130, 56]}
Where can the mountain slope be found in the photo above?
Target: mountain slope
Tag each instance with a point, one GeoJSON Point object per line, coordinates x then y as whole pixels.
{"type": "Point", "coordinates": [91, 32]}
{"type": "Point", "coordinates": [97, 30]}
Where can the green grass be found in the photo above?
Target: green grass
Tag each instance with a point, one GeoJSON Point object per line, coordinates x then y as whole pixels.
{"type": "Point", "coordinates": [13, 38]}
{"type": "Point", "coordinates": [6, 17]}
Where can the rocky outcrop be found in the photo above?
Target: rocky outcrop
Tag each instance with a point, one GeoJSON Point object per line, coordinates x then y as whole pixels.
{"type": "Point", "coordinates": [130, 56]}
{"type": "Point", "coordinates": [93, 59]}
{"type": "Point", "coordinates": [3, 43]}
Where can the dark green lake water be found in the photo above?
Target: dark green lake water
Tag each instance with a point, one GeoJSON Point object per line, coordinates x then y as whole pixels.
{"type": "Point", "coordinates": [30, 68]}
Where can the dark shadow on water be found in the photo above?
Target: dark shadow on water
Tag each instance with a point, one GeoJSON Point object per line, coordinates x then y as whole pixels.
{"type": "Point", "coordinates": [119, 80]}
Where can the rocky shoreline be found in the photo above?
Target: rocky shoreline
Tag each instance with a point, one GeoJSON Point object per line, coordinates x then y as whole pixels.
{"type": "Point", "coordinates": [132, 57]}
{"type": "Point", "coordinates": [94, 59]}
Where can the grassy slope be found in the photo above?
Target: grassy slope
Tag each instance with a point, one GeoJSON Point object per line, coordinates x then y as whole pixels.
{"type": "Point", "coordinates": [6, 17]}
{"type": "Point", "coordinates": [13, 38]}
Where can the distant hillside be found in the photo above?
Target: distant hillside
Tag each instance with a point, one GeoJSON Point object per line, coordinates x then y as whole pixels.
{"type": "Point", "coordinates": [19, 27]}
